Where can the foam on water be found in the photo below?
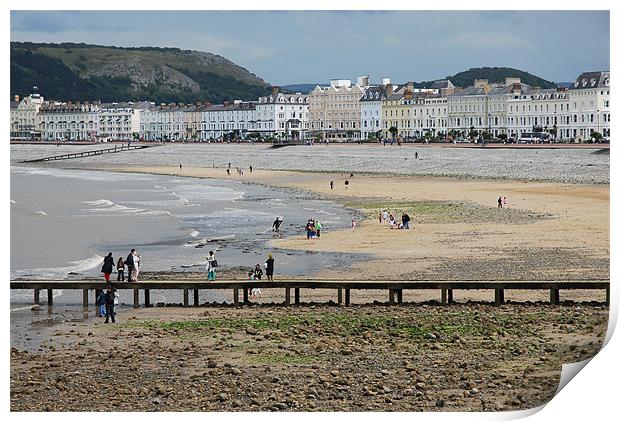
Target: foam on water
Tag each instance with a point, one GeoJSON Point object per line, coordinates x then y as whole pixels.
{"type": "Point", "coordinates": [105, 206]}
{"type": "Point", "coordinates": [41, 212]}
{"type": "Point", "coordinates": [60, 272]}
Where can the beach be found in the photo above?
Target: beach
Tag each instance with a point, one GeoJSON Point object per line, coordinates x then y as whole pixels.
{"type": "Point", "coordinates": [371, 356]}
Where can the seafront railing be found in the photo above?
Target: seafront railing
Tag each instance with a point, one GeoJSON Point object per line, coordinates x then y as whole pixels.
{"type": "Point", "coordinates": [343, 288]}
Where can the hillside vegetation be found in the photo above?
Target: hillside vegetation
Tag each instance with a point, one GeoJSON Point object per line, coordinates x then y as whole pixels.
{"type": "Point", "coordinates": [91, 72]}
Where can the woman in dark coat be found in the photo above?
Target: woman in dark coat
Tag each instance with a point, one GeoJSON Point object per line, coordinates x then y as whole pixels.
{"type": "Point", "coordinates": [108, 266]}
{"type": "Point", "coordinates": [269, 269]}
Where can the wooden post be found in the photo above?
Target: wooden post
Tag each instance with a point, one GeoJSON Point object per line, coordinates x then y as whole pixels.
{"type": "Point", "coordinates": [444, 296]}
{"type": "Point", "coordinates": [37, 296]}
{"type": "Point", "coordinates": [147, 298]}
{"type": "Point", "coordinates": [236, 297]}
{"type": "Point", "coordinates": [347, 297]}
{"type": "Point", "coordinates": [391, 296]}
{"type": "Point", "coordinates": [554, 296]}
{"type": "Point", "coordinates": [196, 298]}
{"type": "Point", "coordinates": [297, 296]}
{"type": "Point", "coordinates": [186, 297]}
{"type": "Point", "coordinates": [246, 299]}
{"type": "Point", "coordinates": [50, 297]}
{"type": "Point", "coordinates": [450, 297]}
{"type": "Point", "coordinates": [85, 298]}
{"type": "Point", "coordinates": [607, 296]}
{"type": "Point", "coordinates": [136, 298]}
{"type": "Point", "coordinates": [287, 296]}
{"type": "Point", "coordinates": [399, 296]}
{"type": "Point", "coordinates": [499, 297]}
{"type": "Point", "coordinates": [339, 295]}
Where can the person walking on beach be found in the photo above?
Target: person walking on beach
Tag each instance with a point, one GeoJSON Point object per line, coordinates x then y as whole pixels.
{"type": "Point", "coordinates": [331, 184]}
{"type": "Point", "coordinates": [317, 226]}
{"type": "Point", "coordinates": [109, 304]}
{"type": "Point", "coordinates": [108, 266]}
{"type": "Point", "coordinates": [499, 202]}
{"type": "Point", "coordinates": [250, 169]}
{"type": "Point", "coordinates": [353, 225]}
{"type": "Point", "coordinates": [180, 167]}
{"type": "Point", "coordinates": [504, 202]}
{"type": "Point", "coordinates": [130, 265]}
{"type": "Point", "coordinates": [120, 269]}
{"type": "Point", "coordinates": [346, 184]}
{"type": "Point", "coordinates": [211, 264]}
{"type": "Point", "coordinates": [100, 295]}
{"type": "Point", "coordinates": [416, 155]}
{"type": "Point", "coordinates": [269, 267]}
{"type": "Point", "coordinates": [228, 171]}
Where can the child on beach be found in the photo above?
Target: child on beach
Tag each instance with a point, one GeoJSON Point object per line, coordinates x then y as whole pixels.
{"type": "Point", "coordinates": [504, 202]}
{"type": "Point", "coordinates": [100, 294]}
{"type": "Point", "coordinates": [353, 225]}
{"type": "Point", "coordinates": [211, 264]}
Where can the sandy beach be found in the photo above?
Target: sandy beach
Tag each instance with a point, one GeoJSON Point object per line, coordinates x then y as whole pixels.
{"type": "Point", "coordinates": [470, 356]}
{"type": "Point", "coordinates": [548, 230]}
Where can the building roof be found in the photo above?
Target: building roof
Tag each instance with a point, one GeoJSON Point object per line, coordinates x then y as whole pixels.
{"type": "Point", "coordinates": [374, 93]}
{"type": "Point", "coordinates": [283, 98]}
{"type": "Point", "coordinates": [589, 80]}
{"type": "Point", "coordinates": [14, 105]}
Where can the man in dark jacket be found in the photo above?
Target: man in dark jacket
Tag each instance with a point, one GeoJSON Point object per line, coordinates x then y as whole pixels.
{"type": "Point", "coordinates": [406, 220]}
{"type": "Point", "coordinates": [109, 304]}
{"type": "Point", "coordinates": [130, 264]}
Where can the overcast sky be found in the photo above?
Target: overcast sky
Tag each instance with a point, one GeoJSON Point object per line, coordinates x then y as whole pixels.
{"type": "Point", "coordinates": [313, 47]}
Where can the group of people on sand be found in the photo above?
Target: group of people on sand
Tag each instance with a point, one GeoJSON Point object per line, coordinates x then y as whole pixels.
{"type": "Point", "coordinates": [239, 170]}
{"type": "Point", "coordinates": [386, 217]}
{"type": "Point", "coordinates": [106, 301]}
{"type": "Point", "coordinates": [313, 229]}
{"type": "Point", "coordinates": [132, 263]}
{"type": "Point", "coordinates": [502, 202]}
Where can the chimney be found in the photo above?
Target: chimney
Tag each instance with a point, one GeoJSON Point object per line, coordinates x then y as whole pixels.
{"type": "Point", "coordinates": [17, 98]}
{"type": "Point", "coordinates": [512, 81]}
{"type": "Point", "coordinates": [447, 91]}
{"type": "Point", "coordinates": [389, 89]}
{"type": "Point", "coordinates": [385, 81]}
{"type": "Point", "coordinates": [480, 82]}
{"type": "Point", "coordinates": [516, 87]}
{"type": "Point", "coordinates": [275, 90]}
{"type": "Point", "coordinates": [363, 80]}
{"type": "Point", "coordinates": [226, 103]}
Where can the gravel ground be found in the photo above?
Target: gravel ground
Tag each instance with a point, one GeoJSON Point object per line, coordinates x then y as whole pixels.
{"type": "Point", "coordinates": [270, 358]}
{"type": "Point", "coordinates": [560, 165]}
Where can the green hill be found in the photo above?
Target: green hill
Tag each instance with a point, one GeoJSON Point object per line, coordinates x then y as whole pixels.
{"type": "Point", "coordinates": [91, 72]}
{"type": "Point", "coordinates": [494, 75]}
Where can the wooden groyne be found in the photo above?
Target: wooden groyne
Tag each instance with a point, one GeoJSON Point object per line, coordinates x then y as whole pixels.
{"type": "Point", "coordinates": [342, 289]}
{"type": "Point", "coordinates": [111, 150]}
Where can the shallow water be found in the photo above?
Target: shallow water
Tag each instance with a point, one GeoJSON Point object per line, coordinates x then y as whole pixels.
{"type": "Point", "coordinates": [64, 221]}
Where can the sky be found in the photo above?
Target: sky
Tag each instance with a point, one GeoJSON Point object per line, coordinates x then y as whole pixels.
{"type": "Point", "coordinates": [285, 47]}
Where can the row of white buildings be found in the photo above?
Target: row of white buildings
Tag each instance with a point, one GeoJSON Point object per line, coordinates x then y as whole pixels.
{"type": "Point", "coordinates": [341, 110]}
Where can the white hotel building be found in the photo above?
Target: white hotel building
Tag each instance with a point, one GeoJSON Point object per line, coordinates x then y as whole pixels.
{"type": "Point", "coordinates": [282, 116]}
{"type": "Point", "coordinates": [24, 117]}
{"type": "Point", "coordinates": [238, 118]}
{"type": "Point", "coordinates": [370, 107]}
{"type": "Point", "coordinates": [69, 121]}
{"type": "Point", "coordinates": [120, 121]}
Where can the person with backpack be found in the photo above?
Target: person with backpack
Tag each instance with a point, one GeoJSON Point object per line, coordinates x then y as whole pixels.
{"type": "Point", "coordinates": [130, 264]}
{"type": "Point", "coordinates": [110, 297]}
{"type": "Point", "coordinates": [108, 266]}
{"type": "Point", "coordinates": [211, 264]}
